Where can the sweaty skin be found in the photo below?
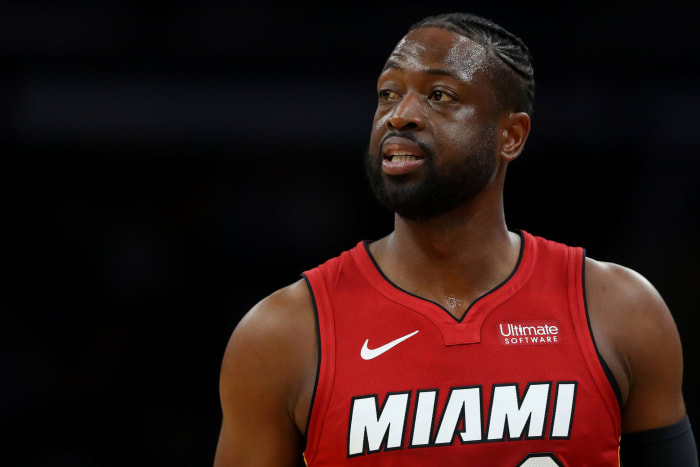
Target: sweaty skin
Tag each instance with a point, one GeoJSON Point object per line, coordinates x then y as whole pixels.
{"type": "Point", "coordinates": [269, 367]}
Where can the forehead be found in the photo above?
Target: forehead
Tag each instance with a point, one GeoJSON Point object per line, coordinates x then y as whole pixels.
{"type": "Point", "coordinates": [433, 48]}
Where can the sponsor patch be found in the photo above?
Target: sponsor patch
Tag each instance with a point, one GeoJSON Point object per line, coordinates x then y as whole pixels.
{"type": "Point", "coordinates": [531, 332]}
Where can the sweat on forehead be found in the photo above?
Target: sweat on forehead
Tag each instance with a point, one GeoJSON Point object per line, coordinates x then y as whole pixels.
{"type": "Point", "coordinates": [437, 48]}
{"type": "Point", "coordinates": [507, 57]}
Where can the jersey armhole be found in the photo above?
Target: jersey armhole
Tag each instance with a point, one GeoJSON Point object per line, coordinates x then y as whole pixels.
{"type": "Point", "coordinates": [318, 363]}
{"type": "Point", "coordinates": [320, 397]}
{"type": "Point", "coordinates": [602, 376]}
{"type": "Point", "coordinates": [606, 368]}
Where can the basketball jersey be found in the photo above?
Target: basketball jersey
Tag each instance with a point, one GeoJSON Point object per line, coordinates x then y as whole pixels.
{"type": "Point", "coordinates": [518, 381]}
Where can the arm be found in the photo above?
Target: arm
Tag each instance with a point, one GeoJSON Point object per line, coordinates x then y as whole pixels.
{"type": "Point", "coordinates": [267, 379]}
{"type": "Point", "coordinates": [638, 339]}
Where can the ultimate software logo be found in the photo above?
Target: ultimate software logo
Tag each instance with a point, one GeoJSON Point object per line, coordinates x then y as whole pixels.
{"type": "Point", "coordinates": [529, 332]}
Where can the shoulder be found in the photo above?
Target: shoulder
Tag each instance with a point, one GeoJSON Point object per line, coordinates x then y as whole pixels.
{"type": "Point", "coordinates": [638, 338]}
{"type": "Point", "coordinates": [626, 289]}
{"type": "Point", "coordinates": [619, 295]}
{"type": "Point", "coordinates": [275, 326]}
{"type": "Point", "coordinates": [274, 346]}
{"type": "Point", "coordinates": [278, 313]}
{"type": "Point", "coordinates": [266, 381]}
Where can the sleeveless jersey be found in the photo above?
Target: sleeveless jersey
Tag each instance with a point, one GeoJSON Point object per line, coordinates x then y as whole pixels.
{"type": "Point", "coordinates": [518, 381]}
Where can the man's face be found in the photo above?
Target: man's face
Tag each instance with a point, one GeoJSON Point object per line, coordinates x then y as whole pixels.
{"type": "Point", "coordinates": [433, 141]}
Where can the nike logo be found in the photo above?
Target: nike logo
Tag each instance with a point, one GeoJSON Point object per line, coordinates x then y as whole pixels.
{"type": "Point", "coordinates": [368, 354]}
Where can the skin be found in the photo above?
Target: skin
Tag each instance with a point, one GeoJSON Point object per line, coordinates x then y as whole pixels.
{"type": "Point", "coordinates": [269, 366]}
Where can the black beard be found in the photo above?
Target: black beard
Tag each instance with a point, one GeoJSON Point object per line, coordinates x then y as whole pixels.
{"type": "Point", "coordinates": [438, 191]}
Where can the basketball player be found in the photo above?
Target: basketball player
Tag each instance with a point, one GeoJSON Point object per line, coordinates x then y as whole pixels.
{"type": "Point", "coordinates": [453, 341]}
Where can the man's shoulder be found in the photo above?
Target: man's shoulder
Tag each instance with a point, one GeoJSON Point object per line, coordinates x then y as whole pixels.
{"type": "Point", "coordinates": [278, 314]}
{"type": "Point", "coordinates": [619, 286]}
{"type": "Point", "coordinates": [290, 306]}
{"type": "Point", "coordinates": [267, 374]}
{"type": "Point", "coordinates": [624, 290]}
{"type": "Point", "coordinates": [632, 320]}
{"type": "Point", "coordinates": [634, 330]}
{"type": "Point", "coordinates": [274, 343]}
{"type": "Point", "coordinates": [631, 313]}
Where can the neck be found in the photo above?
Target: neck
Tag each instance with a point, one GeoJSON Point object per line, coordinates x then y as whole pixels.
{"type": "Point", "coordinates": [454, 258]}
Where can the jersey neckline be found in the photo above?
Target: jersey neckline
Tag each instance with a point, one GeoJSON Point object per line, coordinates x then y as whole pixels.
{"type": "Point", "coordinates": [455, 330]}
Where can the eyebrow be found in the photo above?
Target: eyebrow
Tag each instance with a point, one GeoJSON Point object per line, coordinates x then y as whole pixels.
{"type": "Point", "coordinates": [433, 71]}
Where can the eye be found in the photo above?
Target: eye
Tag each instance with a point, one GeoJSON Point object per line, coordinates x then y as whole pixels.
{"type": "Point", "coordinates": [387, 95]}
{"type": "Point", "coordinates": [440, 96]}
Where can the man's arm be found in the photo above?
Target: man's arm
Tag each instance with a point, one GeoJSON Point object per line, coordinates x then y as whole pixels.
{"type": "Point", "coordinates": [267, 379]}
{"type": "Point", "coordinates": [638, 339]}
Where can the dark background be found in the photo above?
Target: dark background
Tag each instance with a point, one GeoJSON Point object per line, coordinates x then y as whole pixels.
{"type": "Point", "coordinates": [164, 167]}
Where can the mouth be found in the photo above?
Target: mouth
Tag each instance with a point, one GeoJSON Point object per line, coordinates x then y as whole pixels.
{"type": "Point", "coordinates": [397, 149]}
{"type": "Point", "coordinates": [400, 161]}
{"type": "Point", "coordinates": [401, 156]}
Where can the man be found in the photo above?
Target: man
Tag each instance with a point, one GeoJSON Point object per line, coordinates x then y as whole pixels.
{"type": "Point", "coordinates": [453, 341]}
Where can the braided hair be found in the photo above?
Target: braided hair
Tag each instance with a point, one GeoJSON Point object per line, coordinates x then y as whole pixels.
{"type": "Point", "coordinates": [512, 74]}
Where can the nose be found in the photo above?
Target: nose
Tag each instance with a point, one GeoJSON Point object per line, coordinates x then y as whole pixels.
{"type": "Point", "coordinates": [407, 114]}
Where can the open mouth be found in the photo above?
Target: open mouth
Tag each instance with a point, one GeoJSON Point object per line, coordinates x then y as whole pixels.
{"type": "Point", "coordinates": [398, 149]}
{"type": "Point", "coordinates": [401, 157]}
{"type": "Point", "coordinates": [401, 162]}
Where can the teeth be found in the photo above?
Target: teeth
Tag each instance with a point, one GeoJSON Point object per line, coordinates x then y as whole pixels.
{"type": "Point", "coordinates": [402, 158]}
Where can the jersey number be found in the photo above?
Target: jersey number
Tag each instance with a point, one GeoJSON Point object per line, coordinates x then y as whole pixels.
{"type": "Point", "coordinates": [540, 459]}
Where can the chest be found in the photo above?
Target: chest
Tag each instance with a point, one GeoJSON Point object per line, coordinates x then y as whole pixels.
{"type": "Point", "coordinates": [402, 382]}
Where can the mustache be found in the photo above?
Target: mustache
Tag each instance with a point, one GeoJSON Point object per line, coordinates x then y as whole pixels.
{"type": "Point", "coordinates": [427, 150]}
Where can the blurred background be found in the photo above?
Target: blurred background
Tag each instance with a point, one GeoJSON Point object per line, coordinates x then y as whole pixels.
{"type": "Point", "coordinates": [166, 166]}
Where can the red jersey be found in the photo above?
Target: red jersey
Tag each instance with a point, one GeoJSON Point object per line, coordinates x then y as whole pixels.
{"type": "Point", "coordinates": [517, 381]}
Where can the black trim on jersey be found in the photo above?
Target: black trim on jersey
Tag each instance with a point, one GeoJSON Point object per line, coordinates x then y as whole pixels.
{"type": "Point", "coordinates": [606, 369]}
{"type": "Point", "coordinates": [459, 320]}
{"type": "Point", "coordinates": [554, 410]}
{"type": "Point", "coordinates": [526, 427]}
{"type": "Point", "coordinates": [379, 410]}
{"type": "Point", "coordinates": [461, 419]}
{"type": "Point", "coordinates": [549, 455]}
{"type": "Point", "coordinates": [432, 420]}
{"type": "Point", "coordinates": [318, 364]}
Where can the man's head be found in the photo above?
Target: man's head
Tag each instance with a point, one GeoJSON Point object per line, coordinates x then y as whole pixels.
{"type": "Point", "coordinates": [454, 98]}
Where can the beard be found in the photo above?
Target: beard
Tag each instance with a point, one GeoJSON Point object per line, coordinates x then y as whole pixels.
{"type": "Point", "coordinates": [437, 190]}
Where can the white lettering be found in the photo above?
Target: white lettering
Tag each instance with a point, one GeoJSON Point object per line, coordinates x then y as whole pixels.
{"type": "Point", "coordinates": [505, 407]}
{"type": "Point", "coordinates": [462, 400]}
{"type": "Point", "coordinates": [528, 332]}
{"type": "Point", "coordinates": [374, 427]}
{"type": "Point", "coordinates": [366, 424]}
{"type": "Point", "coordinates": [423, 419]}
{"type": "Point", "coordinates": [563, 410]}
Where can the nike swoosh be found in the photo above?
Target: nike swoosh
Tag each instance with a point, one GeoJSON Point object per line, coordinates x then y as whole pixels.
{"type": "Point", "coordinates": [368, 354]}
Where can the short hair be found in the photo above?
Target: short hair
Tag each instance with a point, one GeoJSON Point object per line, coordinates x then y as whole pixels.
{"type": "Point", "coordinates": [512, 74]}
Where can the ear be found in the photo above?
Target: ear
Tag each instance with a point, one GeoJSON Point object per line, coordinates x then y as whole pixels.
{"type": "Point", "coordinates": [514, 129]}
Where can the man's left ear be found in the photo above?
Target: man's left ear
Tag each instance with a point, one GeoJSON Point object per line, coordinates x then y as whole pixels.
{"type": "Point", "coordinates": [514, 130]}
